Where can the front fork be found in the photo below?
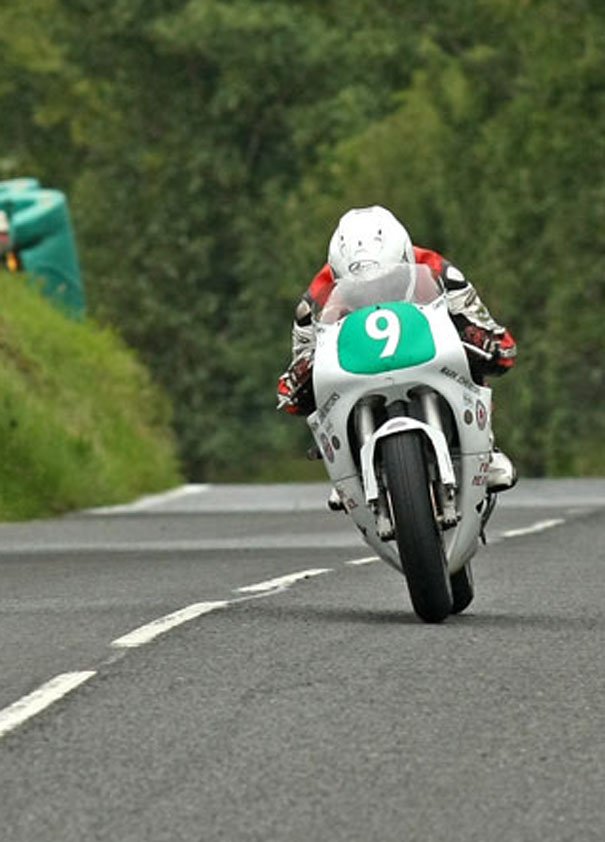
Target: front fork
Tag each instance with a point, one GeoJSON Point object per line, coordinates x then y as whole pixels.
{"type": "Point", "coordinates": [365, 426]}
{"type": "Point", "coordinates": [444, 496]}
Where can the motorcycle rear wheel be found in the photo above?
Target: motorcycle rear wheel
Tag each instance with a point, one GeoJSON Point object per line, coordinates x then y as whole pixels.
{"type": "Point", "coordinates": [418, 535]}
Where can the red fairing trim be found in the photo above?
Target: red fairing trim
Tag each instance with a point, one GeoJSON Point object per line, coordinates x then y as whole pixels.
{"type": "Point", "coordinates": [321, 286]}
{"type": "Point", "coordinates": [429, 258]}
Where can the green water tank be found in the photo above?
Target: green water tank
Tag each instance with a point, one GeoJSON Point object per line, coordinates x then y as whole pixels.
{"type": "Point", "coordinates": [17, 185]}
{"type": "Point", "coordinates": [43, 238]}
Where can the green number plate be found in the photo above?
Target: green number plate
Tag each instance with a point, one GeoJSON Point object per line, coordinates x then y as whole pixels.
{"type": "Point", "coordinates": [383, 338]}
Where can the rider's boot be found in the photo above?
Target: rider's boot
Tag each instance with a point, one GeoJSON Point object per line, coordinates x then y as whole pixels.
{"type": "Point", "coordinates": [501, 474]}
{"type": "Point", "coordinates": [335, 504]}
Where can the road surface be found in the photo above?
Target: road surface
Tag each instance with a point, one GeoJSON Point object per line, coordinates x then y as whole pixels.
{"type": "Point", "coordinates": [230, 663]}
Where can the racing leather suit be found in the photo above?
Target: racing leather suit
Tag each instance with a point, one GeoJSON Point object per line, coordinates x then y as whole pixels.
{"type": "Point", "coordinates": [469, 314]}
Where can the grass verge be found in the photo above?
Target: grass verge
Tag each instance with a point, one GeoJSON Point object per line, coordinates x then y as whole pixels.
{"type": "Point", "coordinates": [81, 423]}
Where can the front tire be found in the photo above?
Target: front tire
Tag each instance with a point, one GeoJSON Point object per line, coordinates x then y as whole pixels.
{"type": "Point", "coordinates": [418, 536]}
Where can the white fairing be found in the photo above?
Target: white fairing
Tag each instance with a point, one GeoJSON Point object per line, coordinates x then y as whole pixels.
{"type": "Point", "coordinates": [404, 425]}
{"type": "Point", "coordinates": [338, 392]}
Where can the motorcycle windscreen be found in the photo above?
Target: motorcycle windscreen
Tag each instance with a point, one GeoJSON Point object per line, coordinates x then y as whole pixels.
{"type": "Point", "coordinates": [385, 337]}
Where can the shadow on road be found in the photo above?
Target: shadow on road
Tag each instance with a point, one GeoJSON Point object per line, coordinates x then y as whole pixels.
{"type": "Point", "coordinates": [470, 619]}
{"type": "Point", "coordinates": [337, 614]}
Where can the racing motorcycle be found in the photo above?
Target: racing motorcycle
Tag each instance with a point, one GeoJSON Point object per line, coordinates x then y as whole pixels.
{"type": "Point", "coordinates": [404, 430]}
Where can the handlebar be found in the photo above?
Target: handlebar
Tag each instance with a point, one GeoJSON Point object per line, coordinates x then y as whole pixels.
{"type": "Point", "coordinates": [479, 352]}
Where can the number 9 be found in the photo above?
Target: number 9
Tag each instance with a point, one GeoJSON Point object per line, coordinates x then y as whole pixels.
{"type": "Point", "coordinates": [384, 324]}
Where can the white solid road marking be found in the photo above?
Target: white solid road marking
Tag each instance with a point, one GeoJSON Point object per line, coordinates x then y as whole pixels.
{"type": "Point", "coordinates": [283, 581]}
{"type": "Point", "coordinates": [540, 526]}
{"type": "Point", "coordinates": [152, 501]}
{"type": "Point", "coordinates": [39, 699]}
{"type": "Point", "coordinates": [163, 624]}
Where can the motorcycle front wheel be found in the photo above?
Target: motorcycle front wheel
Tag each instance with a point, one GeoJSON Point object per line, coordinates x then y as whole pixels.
{"type": "Point", "coordinates": [417, 533]}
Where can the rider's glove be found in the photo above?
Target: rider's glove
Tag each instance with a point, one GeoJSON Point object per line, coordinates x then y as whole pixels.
{"type": "Point", "coordinates": [498, 344]}
{"type": "Point", "coordinates": [286, 394]}
{"type": "Point", "coordinates": [480, 338]}
{"type": "Point", "coordinates": [505, 352]}
{"type": "Point", "coordinates": [293, 387]}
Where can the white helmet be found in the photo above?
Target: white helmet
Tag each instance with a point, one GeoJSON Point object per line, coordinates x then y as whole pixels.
{"type": "Point", "coordinates": [368, 239]}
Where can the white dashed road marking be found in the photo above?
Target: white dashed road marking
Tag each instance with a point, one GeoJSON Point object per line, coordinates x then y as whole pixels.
{"type": "Point", "coordinates": [28, 706]}
{"type": "Point", "coordinates": [38, 700]}
{"type": "Point", "coordinates": [163, 624]}
{"type": "Point", "coordinates": [357, 562]}
{"type": "Point", "coordinates": [540, 526]}
{"type": "Point", "coordinates": [60, 685]}
{"type": "Point", "coordinates": [283, 581]}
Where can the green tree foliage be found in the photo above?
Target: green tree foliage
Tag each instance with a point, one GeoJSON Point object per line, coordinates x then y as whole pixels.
{"type": "Point", "coordinates": [209, 146]}
{"type": "Point", "coordinates": [550, 172]}
{"type": "Point", "coordinates": [195, 115]}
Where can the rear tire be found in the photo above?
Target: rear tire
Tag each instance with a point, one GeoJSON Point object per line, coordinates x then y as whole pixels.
{"type": "Point", "coordinates": [463, 589]}
{"type": "Point", "coordinates": [418, 536]}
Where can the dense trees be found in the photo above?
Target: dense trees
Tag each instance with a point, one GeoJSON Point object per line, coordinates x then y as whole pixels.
{"type": "Point", "coordinates": [209, 146]}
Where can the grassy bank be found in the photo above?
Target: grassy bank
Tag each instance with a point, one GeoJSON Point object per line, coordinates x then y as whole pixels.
{"type": "Point", "coordinates": [81, 424]}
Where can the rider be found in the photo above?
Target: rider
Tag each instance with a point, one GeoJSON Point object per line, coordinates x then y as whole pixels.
{"type": "Point", "coordinates": [8, 257]}
{"type": "Point", "coordinates": [372, 238]}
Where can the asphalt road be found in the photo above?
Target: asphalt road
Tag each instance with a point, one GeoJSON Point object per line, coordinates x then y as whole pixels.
{"type": "Point", "coordinates": [227, 663]}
